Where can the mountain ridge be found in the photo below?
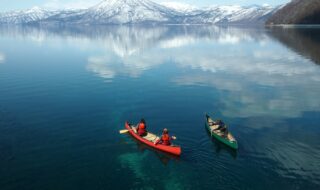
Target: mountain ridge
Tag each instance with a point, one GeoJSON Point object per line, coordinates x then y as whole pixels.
{"type": "Point", "coordinates": [297, 12]}
{"type": "Point", "coordinates": [142, 12]}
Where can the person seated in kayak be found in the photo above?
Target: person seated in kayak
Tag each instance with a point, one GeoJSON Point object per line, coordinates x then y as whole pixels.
{"type": "Point", "coordinates": [221, 127]}
{"type": "Point", "coordinates": [224, 131]}
{"type": "Point", "coordinates": [218, 122]}
{"type": "Point", "coordinates": [142, 128]}
{"type": "Point", "coordinates": [165, 138]}
{"type": "Point", "coordinates": [212, 122]}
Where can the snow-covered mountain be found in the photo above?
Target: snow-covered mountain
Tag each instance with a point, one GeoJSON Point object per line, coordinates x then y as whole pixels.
{"type": "Point", "coordinates": [142, 12]}
{"type": "Point", "coordinates": [232, 15]}
{"type": "Point", "coordinates": [25, 16]}
{"type": "Point", "coordinates": [128, 12]}
{"type": "Point", "coordinates": [180, 7]}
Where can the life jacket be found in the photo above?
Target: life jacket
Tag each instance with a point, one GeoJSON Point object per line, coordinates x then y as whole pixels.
{"type": "Point", "coordinates": [165, 139]}
{"type": "Point", "coordinates": [141, 129]}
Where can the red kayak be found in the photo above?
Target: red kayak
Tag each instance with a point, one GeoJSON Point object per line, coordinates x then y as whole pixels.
{"type": "Point", "coordinates": [149, 140]}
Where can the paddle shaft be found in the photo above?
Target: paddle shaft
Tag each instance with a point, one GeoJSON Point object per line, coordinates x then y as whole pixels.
{"type": "Point", "coordinates": [123, 131]}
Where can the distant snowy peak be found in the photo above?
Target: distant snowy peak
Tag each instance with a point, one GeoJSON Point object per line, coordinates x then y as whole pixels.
{"type": "Point", "coordinates": [129, 11]}
{"type": "Point", "coordinates": [25, 16]}
{"type": "Point", "coordinates": [231, 9]}
{"type": "Point", "coordinates": [35, 10]}
{"type": "Point", "coordinates": [228, 9]}
{"type": "Point", "coordinates": [142, 12]}
{"type": "Point", "coordinates": [129, 5]}
{"type": "Point", "coordinates": [234, 14]}
{"type": "Point", "coordinates": [181, 7]}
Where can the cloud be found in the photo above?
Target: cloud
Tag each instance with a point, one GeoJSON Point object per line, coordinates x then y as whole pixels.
{"type": "Point", "coordinates": [229, 40]}
{"type": "Point", "coordinates": [98, 65]}
{"type": "Point", "coordinates": [2, 57]}
{"type": "Point", "coordinates": [177, 42]}
{"type": "Point", "coordinates": [242, 74]}
{"type": "Point", "coordinates": [109, 66]}
{"type": "Point", "coordinates": [256, 80]}
{"type": "Point", "coordinates": [240, 69]}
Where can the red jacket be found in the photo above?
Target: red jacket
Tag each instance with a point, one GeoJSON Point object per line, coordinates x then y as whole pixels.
{"type": "Point", "coordinates": [141, 129]}
{"type": "Point", "coordinates": [165, 139]}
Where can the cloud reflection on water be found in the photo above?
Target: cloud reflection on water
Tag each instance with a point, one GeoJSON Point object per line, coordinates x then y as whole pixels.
{"type": "Point", "coordinates": [108, 66]}
{"type": "Point", "coordinates": [2, 57]}
{"type": "Point", "coordinates": [257, 73]}
{"type": "Point", "coordinates": [141, 49]}
{"type": "Point", "coordinates": [237, 60]}
{"type": "Point", "coordinates": [243, 74]}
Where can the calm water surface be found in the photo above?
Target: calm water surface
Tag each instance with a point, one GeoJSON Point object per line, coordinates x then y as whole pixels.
{"type": "Point", "coordinates": [66, 92]}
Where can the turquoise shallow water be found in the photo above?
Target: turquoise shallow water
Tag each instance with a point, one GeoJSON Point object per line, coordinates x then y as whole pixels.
{"type": "Point", "coordinates": [66, 92]}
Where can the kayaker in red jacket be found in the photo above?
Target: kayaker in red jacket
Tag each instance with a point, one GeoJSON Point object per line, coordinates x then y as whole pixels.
{"type": "Point", "coordinates": [165, 138]}
{"type": "Point", "coordinates": [142, 128]}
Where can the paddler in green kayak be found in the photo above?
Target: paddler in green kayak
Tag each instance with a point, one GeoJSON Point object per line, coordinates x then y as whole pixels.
{"type": "Point", "coordinates": [221, 127]}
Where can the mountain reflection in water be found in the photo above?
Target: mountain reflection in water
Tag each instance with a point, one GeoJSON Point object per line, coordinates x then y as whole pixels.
{"type": "Point", "coordinates": [258, 74]}
{"type": "Point", "coordinates": [267, 93]}
{"type": "Point", "coordinates": [304, 40]}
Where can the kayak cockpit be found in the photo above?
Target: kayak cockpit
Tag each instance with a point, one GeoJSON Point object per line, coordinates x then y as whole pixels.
{"type": "Point", "coordinates": [149, 137]}
{"type": "Point", "coordinates": [214, 129]}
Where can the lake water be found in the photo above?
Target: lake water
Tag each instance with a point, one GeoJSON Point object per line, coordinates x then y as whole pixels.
{"type": "Point", "coordinates": [66, 92]}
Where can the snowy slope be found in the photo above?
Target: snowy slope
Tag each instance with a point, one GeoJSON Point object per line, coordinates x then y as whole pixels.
{"type": "Point", "coordinates": [123, 12]}
{"type": "Point", "coordinates": [251, 14]}
{"type": "Point", "coordinates": [230, 15]}
{"type": "Point", "coordinates": [141, 12]}
{"type": "Point", "coordinates": [131, 11]}
{"type": "Point", "coordinates": [25, 16]}
{"type": "Point", "coordinates": [180, 7]}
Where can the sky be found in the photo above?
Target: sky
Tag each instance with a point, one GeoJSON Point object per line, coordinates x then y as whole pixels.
{"type": "Point", "coordinates": [7, 5]}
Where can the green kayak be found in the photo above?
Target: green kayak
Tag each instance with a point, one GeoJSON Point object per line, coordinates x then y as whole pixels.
{"type": "Point", "coordinates": [220, 133]}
